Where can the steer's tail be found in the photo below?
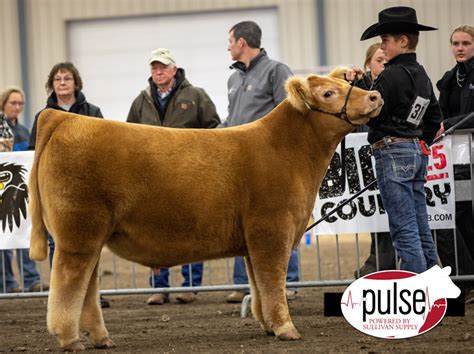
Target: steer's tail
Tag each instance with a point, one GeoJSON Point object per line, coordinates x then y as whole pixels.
{"type": "Point", "coordinates": [48, 120]}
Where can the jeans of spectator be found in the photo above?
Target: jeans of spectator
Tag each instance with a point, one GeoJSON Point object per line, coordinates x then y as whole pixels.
{"type": "Point", "coordinates": [456, 247]}
{"type": "Point", "coordinates": [401, 176]}
{"type": "Point", "coordinates": [385, 251]}
{"type": "Point", "coordinates": [240, 272]}
{"type": "Point", "coordinates": [162, 280]}
{"type": "Point", "coordinates": [51, 250]}
{"type": "Point", "coordinates": [29, 271]}
{"type": "Point", "coordinates": [463, 264]}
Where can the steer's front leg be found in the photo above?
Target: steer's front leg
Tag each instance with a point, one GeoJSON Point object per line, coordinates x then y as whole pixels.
{"type": "Point", "coordinates": [269, 265]}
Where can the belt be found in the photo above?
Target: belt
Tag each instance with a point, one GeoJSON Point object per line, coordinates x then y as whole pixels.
{"type": "Point", "coordinates": [389, 140]}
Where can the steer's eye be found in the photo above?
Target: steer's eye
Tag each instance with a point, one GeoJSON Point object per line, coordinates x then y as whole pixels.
{"type": "Point", "coordinates": [328, 94]}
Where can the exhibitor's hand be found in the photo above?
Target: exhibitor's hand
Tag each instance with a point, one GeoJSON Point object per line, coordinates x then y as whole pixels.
{"type": "Point", "coordinates": [353, 74]}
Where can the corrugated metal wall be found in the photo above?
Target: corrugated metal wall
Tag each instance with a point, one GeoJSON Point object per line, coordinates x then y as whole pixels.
{"type": "Point", "coordinates": [345, 20]}
{"type": "Point", "coordinates": [10, 68]}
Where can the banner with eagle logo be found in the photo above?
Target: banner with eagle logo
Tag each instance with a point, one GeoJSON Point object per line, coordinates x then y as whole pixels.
{"type": "Point", "coordinates": [15, 226]}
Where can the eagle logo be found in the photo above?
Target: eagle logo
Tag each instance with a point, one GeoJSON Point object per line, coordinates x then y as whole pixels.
{"type": "Point", "coordinates": [13, 195]}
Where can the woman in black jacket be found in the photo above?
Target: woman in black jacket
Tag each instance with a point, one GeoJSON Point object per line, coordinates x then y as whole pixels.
{"type": "Point", "coordinates": [457, 100]}
{"type": "Point", "coordinates": [456, 88]}
{"type": "Point", "coordinates": [64, 87]}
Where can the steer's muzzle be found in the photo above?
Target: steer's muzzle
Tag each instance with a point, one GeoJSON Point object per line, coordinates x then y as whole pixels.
{"type": "Point", "coordinates": [374, 96]}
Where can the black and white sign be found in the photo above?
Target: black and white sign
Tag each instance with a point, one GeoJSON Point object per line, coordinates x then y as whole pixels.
{"type": "Point", "coordinates": [366, 213]}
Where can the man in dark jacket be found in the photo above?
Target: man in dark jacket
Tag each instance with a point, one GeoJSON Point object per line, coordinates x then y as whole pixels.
{"type": "Point", "coordinates": [171, 101]}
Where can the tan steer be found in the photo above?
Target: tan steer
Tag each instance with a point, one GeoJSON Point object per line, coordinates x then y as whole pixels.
{"type": "Point", "coordinates": [162, 197]}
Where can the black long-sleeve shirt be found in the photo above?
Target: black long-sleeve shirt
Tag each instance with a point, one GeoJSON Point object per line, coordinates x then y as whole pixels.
{"type": "Point", "coordinates": [398, 92]}
{"type": "Point", "coordinates": [457, 98]}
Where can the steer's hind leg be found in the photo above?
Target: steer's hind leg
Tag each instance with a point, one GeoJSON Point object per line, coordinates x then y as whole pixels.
{"type": "Point", "coordinates": [256, 301]}
{"type": "Point", "coordinates": [70, 278]}
{"type": "Point", "coordinates": [269, 266]}
{"type": "Point", "coordinates": [92, 320]}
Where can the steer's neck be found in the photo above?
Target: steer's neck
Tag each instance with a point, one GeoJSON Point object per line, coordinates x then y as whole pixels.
{"type": "Point", "coordinates": [307, 139]}
{"type": "Point", "coordinates": [313, 134]}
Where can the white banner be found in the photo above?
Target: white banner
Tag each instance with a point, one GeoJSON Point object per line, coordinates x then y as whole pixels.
{"type": "Point", "coordinates": [366, 212]}
{"type": "Point", "coordinates": [15, 226]}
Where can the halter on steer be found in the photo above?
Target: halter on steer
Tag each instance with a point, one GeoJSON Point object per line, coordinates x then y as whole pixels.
{"type": "Point", "coordinates": [342, 114]}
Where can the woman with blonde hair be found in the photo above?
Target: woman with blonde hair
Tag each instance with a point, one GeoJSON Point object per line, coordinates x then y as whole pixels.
{"type": "Point", "coordinates": [373, 66]}
{"type": "Point", "coordinates": [15, 137]}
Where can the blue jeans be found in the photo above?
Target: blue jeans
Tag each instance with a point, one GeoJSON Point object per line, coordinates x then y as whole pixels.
{"type": "Point", "coordinates": [51, 250]}
{"type": "Point", "coordinates": [401, 176]}
{"type": "Point", "coordinates": [240, 272]}
{"type": "Point", "coordinates": [162, 280]}
{"type": "Point", "coordinates": [29, 272]}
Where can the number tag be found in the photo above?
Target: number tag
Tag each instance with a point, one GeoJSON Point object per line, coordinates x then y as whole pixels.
{"type": "Point", "coordinates": [418, 110]}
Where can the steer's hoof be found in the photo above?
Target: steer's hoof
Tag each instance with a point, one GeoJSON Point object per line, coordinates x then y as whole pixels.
{"type": "Point", "coordinates": [105, 343]}
{"type": "Point", "coordinates": [267, 329]}
{"type": "Point", "coordinates": [74, 347]}
{"type": "Point", "coordinates": [291, 334]}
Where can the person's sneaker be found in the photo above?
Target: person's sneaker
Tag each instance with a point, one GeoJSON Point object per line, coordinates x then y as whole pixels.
{"type": "Point", "coordinates": [367, 268]}
{"type": "Point", "coordinates": [104, 303]}
{"type": "Point", "coordinates": [158, 299]}
{"type": "Point", "coordinates": [186, 298]}
{"type": "Point", "coordinates": [290, 294]}
{"type": "Point", "coordinates": [14, 290]}
{"type": "Point", "coordinates": [236, 296]}
{"type": "Point", "coordinates": [37, 287]}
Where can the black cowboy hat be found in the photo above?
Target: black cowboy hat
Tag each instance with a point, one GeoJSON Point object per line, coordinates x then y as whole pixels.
{"type": "Point", "coordinates": [395, 20]}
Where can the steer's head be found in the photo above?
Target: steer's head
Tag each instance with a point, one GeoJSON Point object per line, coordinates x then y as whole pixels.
{"type": "Point", "coordinates": [329, 94]}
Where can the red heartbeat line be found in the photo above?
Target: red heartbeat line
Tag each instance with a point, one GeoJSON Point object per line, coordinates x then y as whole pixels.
{"type": "Point", "coordinates": [427, 302]}
{"type": "Point", "coordinates": [353, 304]}
{"type": "Point", "coordinates": [349, 301]}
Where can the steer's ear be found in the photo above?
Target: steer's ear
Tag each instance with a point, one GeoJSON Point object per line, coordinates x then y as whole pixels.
{"type": "Point", "coordinates": [298, 91]}
{"type": "Point", "coordinates": [339, 72]}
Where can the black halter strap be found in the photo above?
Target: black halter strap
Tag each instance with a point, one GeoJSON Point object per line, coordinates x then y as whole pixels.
{"type": "Point", "coordinates": [342, 114]}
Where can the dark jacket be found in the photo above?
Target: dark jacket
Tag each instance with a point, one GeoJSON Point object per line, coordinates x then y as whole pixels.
{"type": "Point", "coordinates": [366, 83]}
{"type": "Point", "coordinates": [20, 134]}
{"type": "Point", "coordinates": [187, 107]}
{"type": "Point", "coordinates": [398, 93]}
{"type": "Point", "coordinates": [81, 106]}
{"type": "Point", "coordinates": [456, 102]}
